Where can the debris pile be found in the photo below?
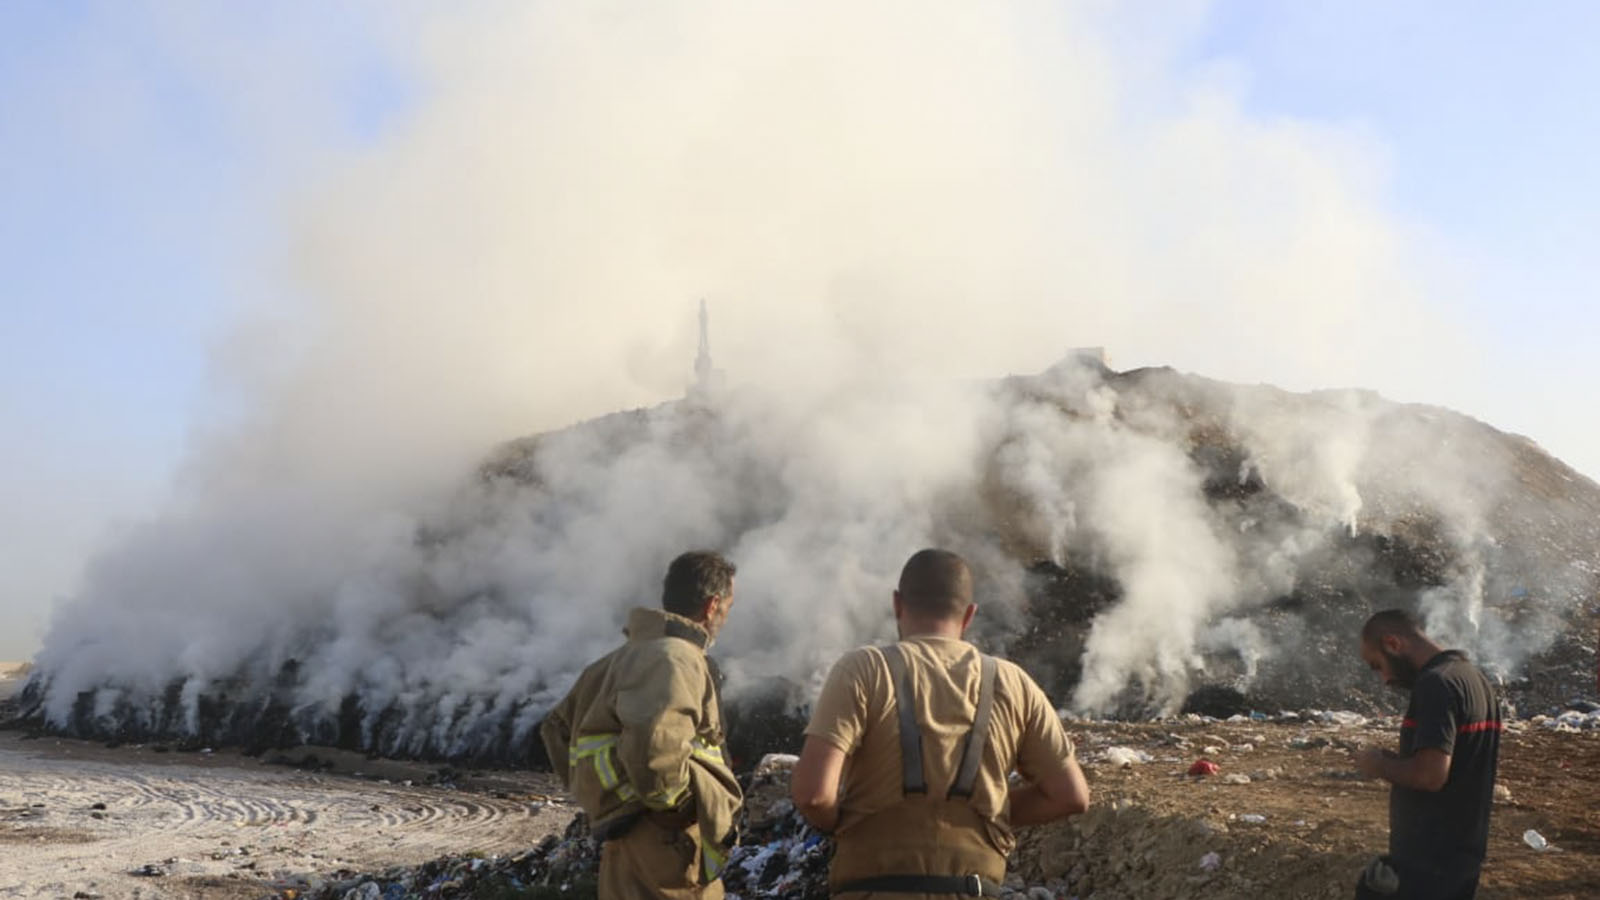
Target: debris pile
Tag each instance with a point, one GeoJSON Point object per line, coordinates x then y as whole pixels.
{"type": "Point", "coordinates": [1580, 715]}
{"type": "Point", "coordinates": [1284, 816]}
{"type": "Point", "coordinates": [1316, 508]}
{"type": "Point", "coordinates": [779, 857]}
{"type": "Point", "coordinates": [561, 866]}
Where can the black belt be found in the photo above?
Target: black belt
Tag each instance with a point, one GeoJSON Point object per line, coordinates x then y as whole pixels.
{"type": "Point", "coordinates": [962, 885]}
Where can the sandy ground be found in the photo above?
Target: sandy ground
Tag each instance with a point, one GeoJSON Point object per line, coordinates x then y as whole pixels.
{"type": "Point", "coordinates": [79, 819]}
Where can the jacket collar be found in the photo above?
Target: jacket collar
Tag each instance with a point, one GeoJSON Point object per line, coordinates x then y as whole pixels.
{"type": "Point", "coordinates": [646, 624]}
{"type": "Point", "coordinates": [1442, 657]}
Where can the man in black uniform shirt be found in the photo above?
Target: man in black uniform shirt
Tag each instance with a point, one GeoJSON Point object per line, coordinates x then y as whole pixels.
{"type": "Point", "coordinates": [1443, 776]}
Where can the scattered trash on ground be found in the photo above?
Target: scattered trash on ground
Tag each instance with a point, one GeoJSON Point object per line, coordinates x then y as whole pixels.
{"type": "Point", "coordinates": [1125, 757]}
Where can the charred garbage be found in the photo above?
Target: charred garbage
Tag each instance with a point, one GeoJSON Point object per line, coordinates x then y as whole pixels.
{"type": "Point", "coordinates": [1148, 542]}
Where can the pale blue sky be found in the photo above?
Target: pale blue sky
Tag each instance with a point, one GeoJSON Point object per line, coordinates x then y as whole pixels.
{"type": "Point", "coordinates": [145, 149]}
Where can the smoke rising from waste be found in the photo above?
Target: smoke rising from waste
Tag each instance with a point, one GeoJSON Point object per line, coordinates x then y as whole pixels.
{"type": "Point", "coordinates": [881, 203]}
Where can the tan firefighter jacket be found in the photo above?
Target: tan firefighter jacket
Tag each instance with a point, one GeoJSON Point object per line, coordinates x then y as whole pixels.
{"type": "Point", "coordinates": [641, 731]}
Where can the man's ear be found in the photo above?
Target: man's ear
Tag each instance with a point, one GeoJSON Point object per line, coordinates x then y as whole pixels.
{"type": "Point", "coordinates": [899, 605]}
{"type": "Point", "coordinates": [708, 608]}
{"type": "Point", "coordinates": [972, 609]}
{"type": "Point", "coordinates": [1393, 644]}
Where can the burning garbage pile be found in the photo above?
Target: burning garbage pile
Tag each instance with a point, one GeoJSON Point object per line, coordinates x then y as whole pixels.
{"type": "Point", "coordinates": [1146, 542]}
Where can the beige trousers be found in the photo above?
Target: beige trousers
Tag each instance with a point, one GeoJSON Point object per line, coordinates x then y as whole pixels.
{"type": "Point", "coordinates": [654, 863]}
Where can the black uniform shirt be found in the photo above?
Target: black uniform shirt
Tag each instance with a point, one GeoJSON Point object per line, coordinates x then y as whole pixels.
{"type": "Point", "coordinates": [1454, 709]}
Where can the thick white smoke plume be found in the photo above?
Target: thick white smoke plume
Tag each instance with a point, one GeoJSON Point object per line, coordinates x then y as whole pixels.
{"type": "Point", "coordinates": [882, 202]}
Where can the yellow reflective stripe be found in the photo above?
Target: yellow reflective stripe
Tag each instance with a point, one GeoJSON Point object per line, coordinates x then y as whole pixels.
{"type": "Point", "coordinates": [607, 772]}
{"type": "Point", "coordinates": [594, 743]}
{"type": "Point", "coordinates": [599, 747]}
{"type": "Point", "coordinates": [627, 792]}
{"type": "Point", "coordinates": [712, 859]}
{"type": "Point", "coordinates": [666, 798]}
{"type": "Point", "coordinates": [707, 752]}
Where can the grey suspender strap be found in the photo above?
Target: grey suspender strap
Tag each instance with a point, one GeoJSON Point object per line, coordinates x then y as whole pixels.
{"type": "Point", "coordinates": [912, 779]}
{"type": "Point", "coordinates": [972, 756]}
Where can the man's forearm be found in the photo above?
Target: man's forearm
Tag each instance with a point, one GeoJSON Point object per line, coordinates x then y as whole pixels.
{"type": "Point", "coordinates": [1030, 806]}
{"type": "Point", "coordinates": [821, 816]}
{"type": "Point", "coordinates": [1407, 772]}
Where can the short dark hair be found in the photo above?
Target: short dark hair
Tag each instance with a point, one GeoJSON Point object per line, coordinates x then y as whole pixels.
{"type": "Point", "coordinates": [1396, 622]}
{"type": "Point", "coordinates": [692, 579]}
{"type": "Point", "coordinates": [936, 583]}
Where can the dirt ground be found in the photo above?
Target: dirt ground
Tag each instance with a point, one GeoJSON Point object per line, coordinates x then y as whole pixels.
{"type": "Point", "coordinates": [79, 819]}
{"type": "Point", "coordinates": [1151, 825]}
{"type": "Point", "coordinates": [222, 825]}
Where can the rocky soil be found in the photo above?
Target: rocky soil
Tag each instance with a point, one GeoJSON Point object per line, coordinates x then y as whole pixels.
{"type": "Point", "coordinates": [1283, 816]}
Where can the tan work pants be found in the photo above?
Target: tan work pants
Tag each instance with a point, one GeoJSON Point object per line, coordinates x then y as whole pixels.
{"type": "Point", "coordinates": [654, 863]}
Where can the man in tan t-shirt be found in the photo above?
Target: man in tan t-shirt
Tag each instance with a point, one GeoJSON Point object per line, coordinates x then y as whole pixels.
{"type": "Point", "coordinates": [907, 753]}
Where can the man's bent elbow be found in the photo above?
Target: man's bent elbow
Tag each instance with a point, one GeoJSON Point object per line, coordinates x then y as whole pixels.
{"type": "Point", "coordinates": [812, 805]}
{"type": "Point", "coordinates": [1078, 804]}
{"type": "Point", "coordinates": [1433, 783]}
{"type": "Point", "coordinates": [1068, 792]}
{"type": "Point", "coordinates": [821, 816]}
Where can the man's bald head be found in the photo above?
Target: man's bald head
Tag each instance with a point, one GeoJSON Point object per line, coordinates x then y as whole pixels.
{"type": "Point", "coordinates": [1396, 623]}
{"type": "Point", "coordinates": [936, 584]}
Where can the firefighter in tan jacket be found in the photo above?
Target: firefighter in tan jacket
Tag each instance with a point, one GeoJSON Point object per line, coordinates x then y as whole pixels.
{"type": "Point", "coordinates": [638, 743]}
{"type": "Point", "coordinates": [909, 747]}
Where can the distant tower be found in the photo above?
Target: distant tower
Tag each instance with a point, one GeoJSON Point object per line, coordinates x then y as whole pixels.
{"type": "Point", "coordinates": [707, 378]}
{"type": "Point", "coordinates": [702, 360]}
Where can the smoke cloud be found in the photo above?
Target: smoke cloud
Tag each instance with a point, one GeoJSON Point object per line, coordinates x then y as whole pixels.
{"type": "Point", "coordinates": [882, 203]}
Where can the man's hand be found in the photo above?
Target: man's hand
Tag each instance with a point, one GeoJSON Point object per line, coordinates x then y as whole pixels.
{"type": "Point", "coordinates": [1426, 770]}
{"type": "Point", "coordinates": [1369, 762]}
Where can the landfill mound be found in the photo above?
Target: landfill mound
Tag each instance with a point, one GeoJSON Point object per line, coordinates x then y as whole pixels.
{"type": "Point", "coordinates": [1281, 814]}
{"type": "Point", "coordinates": [1268, 524]}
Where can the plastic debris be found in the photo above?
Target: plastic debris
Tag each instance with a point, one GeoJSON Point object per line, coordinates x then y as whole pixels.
{"type": "Point", "coordinates": [1211, 861]}
{"type": "Point", "coordinates": [776, 762]}
{"type": "Point", "coordinates": [1203, 767]}
{"type": "Point", "coordinates": [367, 890]}
{"type": "Point", "coordinates": [1125, 757]}
{"type": "Point", "coordinates": [1535, 840]}
{"type": "Point", "coordinates": [1253, 818]}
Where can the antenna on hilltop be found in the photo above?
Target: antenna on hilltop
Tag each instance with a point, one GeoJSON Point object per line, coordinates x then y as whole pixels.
{"type": "Point", "coordinates": [707, 378]}
{"type": "Point", "coordinates": [702, 360]}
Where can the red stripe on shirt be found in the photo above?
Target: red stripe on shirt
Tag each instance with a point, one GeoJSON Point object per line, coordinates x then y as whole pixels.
{"type": "Point", "coordinates": [1465, 729]}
